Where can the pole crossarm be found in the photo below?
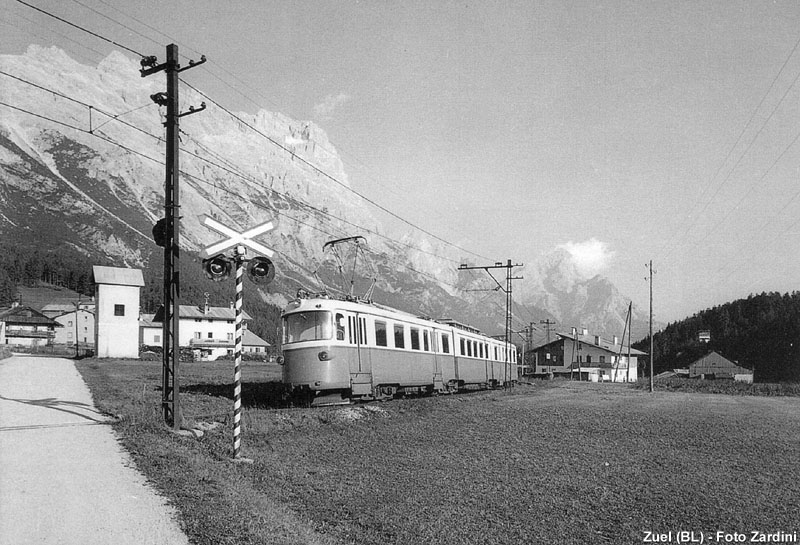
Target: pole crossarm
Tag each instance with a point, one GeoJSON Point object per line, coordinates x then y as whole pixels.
{"type": "Point", "coordinates": [508, 266]}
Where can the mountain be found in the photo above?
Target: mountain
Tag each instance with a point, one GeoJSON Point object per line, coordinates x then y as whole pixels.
{"type": "Point", "coordinates": [81, 163]}
{"type": "Point", "coordinates": [574, 299]}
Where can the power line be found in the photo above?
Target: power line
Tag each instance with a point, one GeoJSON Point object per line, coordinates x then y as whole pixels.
{"type": "Point", "coordinates": [274, 142]}
{"type": "Point", "coordinates": [86, 30]}
{"type": "Point", "coordinates": [738, 139]}
{"type": "Point", "coordinates": [229, 169]}
{"type": "Point", "coordinates": [233, 193]}
{"type": "Point", "coordinates": [324, 174]}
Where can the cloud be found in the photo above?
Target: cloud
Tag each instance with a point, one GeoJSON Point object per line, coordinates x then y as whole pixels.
{"type": "Point", "coordinates": [329, 104]}
{"type": "Point", "coordinates": [590, 257]}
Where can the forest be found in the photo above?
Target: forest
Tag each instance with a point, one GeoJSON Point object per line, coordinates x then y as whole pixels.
{"type": "Point", "coordinates": [760, 333]}
{"type": "Point", "coordinates": [65, 267]}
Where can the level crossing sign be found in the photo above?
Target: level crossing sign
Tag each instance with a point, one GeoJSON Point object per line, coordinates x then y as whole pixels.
{"type": "Point", "coordinates": [235, 238]}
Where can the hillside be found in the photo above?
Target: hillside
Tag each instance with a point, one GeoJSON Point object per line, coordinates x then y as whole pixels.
{"type": "Point", "coordinates": [761, 333]}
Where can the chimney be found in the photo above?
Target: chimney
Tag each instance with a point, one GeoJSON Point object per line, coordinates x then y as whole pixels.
{"type": "Point", "coordinates": [584, 331]}
{"type": "Point", "coordinates": [616, 340]}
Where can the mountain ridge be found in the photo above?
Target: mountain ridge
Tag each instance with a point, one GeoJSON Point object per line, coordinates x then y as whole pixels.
{"type": "Point", "coordinates": [98, 188]}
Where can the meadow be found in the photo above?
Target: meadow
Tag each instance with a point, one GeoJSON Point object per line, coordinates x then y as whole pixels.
{"type": "Point", "coordinates": [551, 462]}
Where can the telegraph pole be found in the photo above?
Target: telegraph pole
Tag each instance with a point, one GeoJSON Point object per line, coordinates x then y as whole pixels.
{"type": "Point", "coordinates": [508, 266]}
{"type": "Point", "coordinates": [171, 232]}
{"type": "Point", "coordinates": [651, 325]}
{"type": "Point", "coordinates": [547, 323]}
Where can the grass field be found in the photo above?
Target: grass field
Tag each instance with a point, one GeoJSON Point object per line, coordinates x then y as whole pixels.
{"type": "Point", "coordinates": [554, 462]}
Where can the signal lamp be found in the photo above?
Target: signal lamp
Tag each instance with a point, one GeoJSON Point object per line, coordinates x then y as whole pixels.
{"type": "Point", "coordinates": [261, 270]}
{"type": "Point", "coordinates": [160, 232]}
{"type": "Point", "coordinates": [217, 268]}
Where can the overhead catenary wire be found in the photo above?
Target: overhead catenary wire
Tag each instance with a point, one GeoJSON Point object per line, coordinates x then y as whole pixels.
{"type": "Point", "coordinates": [83, 29]}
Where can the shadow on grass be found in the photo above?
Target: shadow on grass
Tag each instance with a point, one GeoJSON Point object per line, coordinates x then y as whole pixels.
{"type": "Point", "coordinates": [259, 395]}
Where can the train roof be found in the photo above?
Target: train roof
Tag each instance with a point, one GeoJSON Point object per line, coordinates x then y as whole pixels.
{"type": "Point", "coordinates": [346, 304]}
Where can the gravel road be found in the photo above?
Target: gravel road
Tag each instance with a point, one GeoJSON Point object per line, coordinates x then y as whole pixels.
{"type": "Point", "coordinates": [64, 478]}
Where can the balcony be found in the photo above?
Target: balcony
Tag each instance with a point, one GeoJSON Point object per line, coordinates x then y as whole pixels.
{"type": "Point", "coordinates": [211, 343]}
{"type": "Point", "coordinates": [19, 332]}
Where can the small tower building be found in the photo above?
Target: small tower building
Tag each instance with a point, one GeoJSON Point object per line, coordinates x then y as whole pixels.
{"type": "Point", "coordinates": [117, 319]}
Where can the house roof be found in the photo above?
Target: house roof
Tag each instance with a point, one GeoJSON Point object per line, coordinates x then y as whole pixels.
{"type": "Point", "coordinates": [251, 339]}
{"type": "Point", "coordinates": [26, 315]}
{"type": "Point", "coordinates": [57, 308]}
{"type": "Point", "coordinates": [590, 340]}
{"type": "Point", "coordinates": [117, 276]}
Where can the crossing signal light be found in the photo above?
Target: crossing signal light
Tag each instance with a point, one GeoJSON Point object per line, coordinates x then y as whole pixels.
{"type": "Point", "coordinates": [160, 232]}
{"type": "Point", "coordinates": [217, 268]}
{"type": "Point", "coordinates": [261, 270]}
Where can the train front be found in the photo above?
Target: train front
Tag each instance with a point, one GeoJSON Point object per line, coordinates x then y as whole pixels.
{"type": "Point", "coordinates": [310, 359]}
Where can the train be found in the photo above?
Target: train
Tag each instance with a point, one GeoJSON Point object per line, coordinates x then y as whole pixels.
{"type": "Point", "coordinates": [340, 351]}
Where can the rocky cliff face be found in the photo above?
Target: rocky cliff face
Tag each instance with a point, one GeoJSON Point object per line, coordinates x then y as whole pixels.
{"type": "Point", "coordinates": [84, 167]}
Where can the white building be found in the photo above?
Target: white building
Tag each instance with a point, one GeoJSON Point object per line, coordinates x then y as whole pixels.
{"type": "Point", "coordinates": [209, 331]}
{"type": "Point", "coordinates": [117, 318]}
{"type": "Point", "coordinates": [79, 326]}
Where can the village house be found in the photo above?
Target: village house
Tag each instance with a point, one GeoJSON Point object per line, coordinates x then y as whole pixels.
{"type": "Point", "coordinates": [78, 326]}
{"type": "Point", "coordinates": [208, 331]}
{"type": "Point", "coordinates": [587, 357]}
{"type": "Point", "coordinates": [25, 326]}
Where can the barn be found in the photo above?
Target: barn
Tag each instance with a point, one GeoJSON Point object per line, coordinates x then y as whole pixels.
{"type": "Point", "coordinates": [713, 366]}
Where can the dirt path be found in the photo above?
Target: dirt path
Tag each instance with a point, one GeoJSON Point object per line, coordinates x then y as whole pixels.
{"type": "Point", "coordinates": [64, 479]}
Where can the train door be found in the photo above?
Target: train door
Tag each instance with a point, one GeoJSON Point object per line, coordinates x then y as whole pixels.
{"type": "Point", "coordinates": [361, 370]}
{"type": "Point", "coordinates": [430, 344]}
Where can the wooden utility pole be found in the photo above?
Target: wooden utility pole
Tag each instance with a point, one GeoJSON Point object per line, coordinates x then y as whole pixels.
{"type": "Point", "coordinates": [651, 325]}
{"type": "Point", "coordinates": [508, 266]}
{"type": "Point", "coordinates": [171, 232]}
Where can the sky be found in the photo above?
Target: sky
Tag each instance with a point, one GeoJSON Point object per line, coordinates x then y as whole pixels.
{"type": "Point", "coordinates": [622, 132]}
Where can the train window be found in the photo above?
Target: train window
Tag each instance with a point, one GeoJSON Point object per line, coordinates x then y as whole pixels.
{"type": "Point", "coordinates": [380, 333]}
{"type": "Point", "coordinates": [339, 327]}
{"type": "Point", "coordinates": [362, 330]}
{"type": "Point", "coordinates": [308, 326]}
{"type": "Point", "coordinates": [469, 348]}
{"type": "Point", "coordinates": [351, 322]}
{"type": "Point", "coordinates": [463, 349]}
{"type": "Point", "coordinates": [414, 338]}
{"type": "Point", "coordinates": [426, 343]}
{"type": "Point", "coordinates": [445, 343]}
{"type": "Point", "coordinates": [481, 347]}
{"type": "Point", "coordinates": [399, 336]}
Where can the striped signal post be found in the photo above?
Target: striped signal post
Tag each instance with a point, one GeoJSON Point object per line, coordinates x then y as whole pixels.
{"type": "Point", "coordinates": [238, 241]}
{"type": "Point", "coordinates": [237, 356]}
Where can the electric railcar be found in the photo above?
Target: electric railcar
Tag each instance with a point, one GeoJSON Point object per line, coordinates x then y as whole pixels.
{"type": "Point", "coordinates": [342, 351]}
